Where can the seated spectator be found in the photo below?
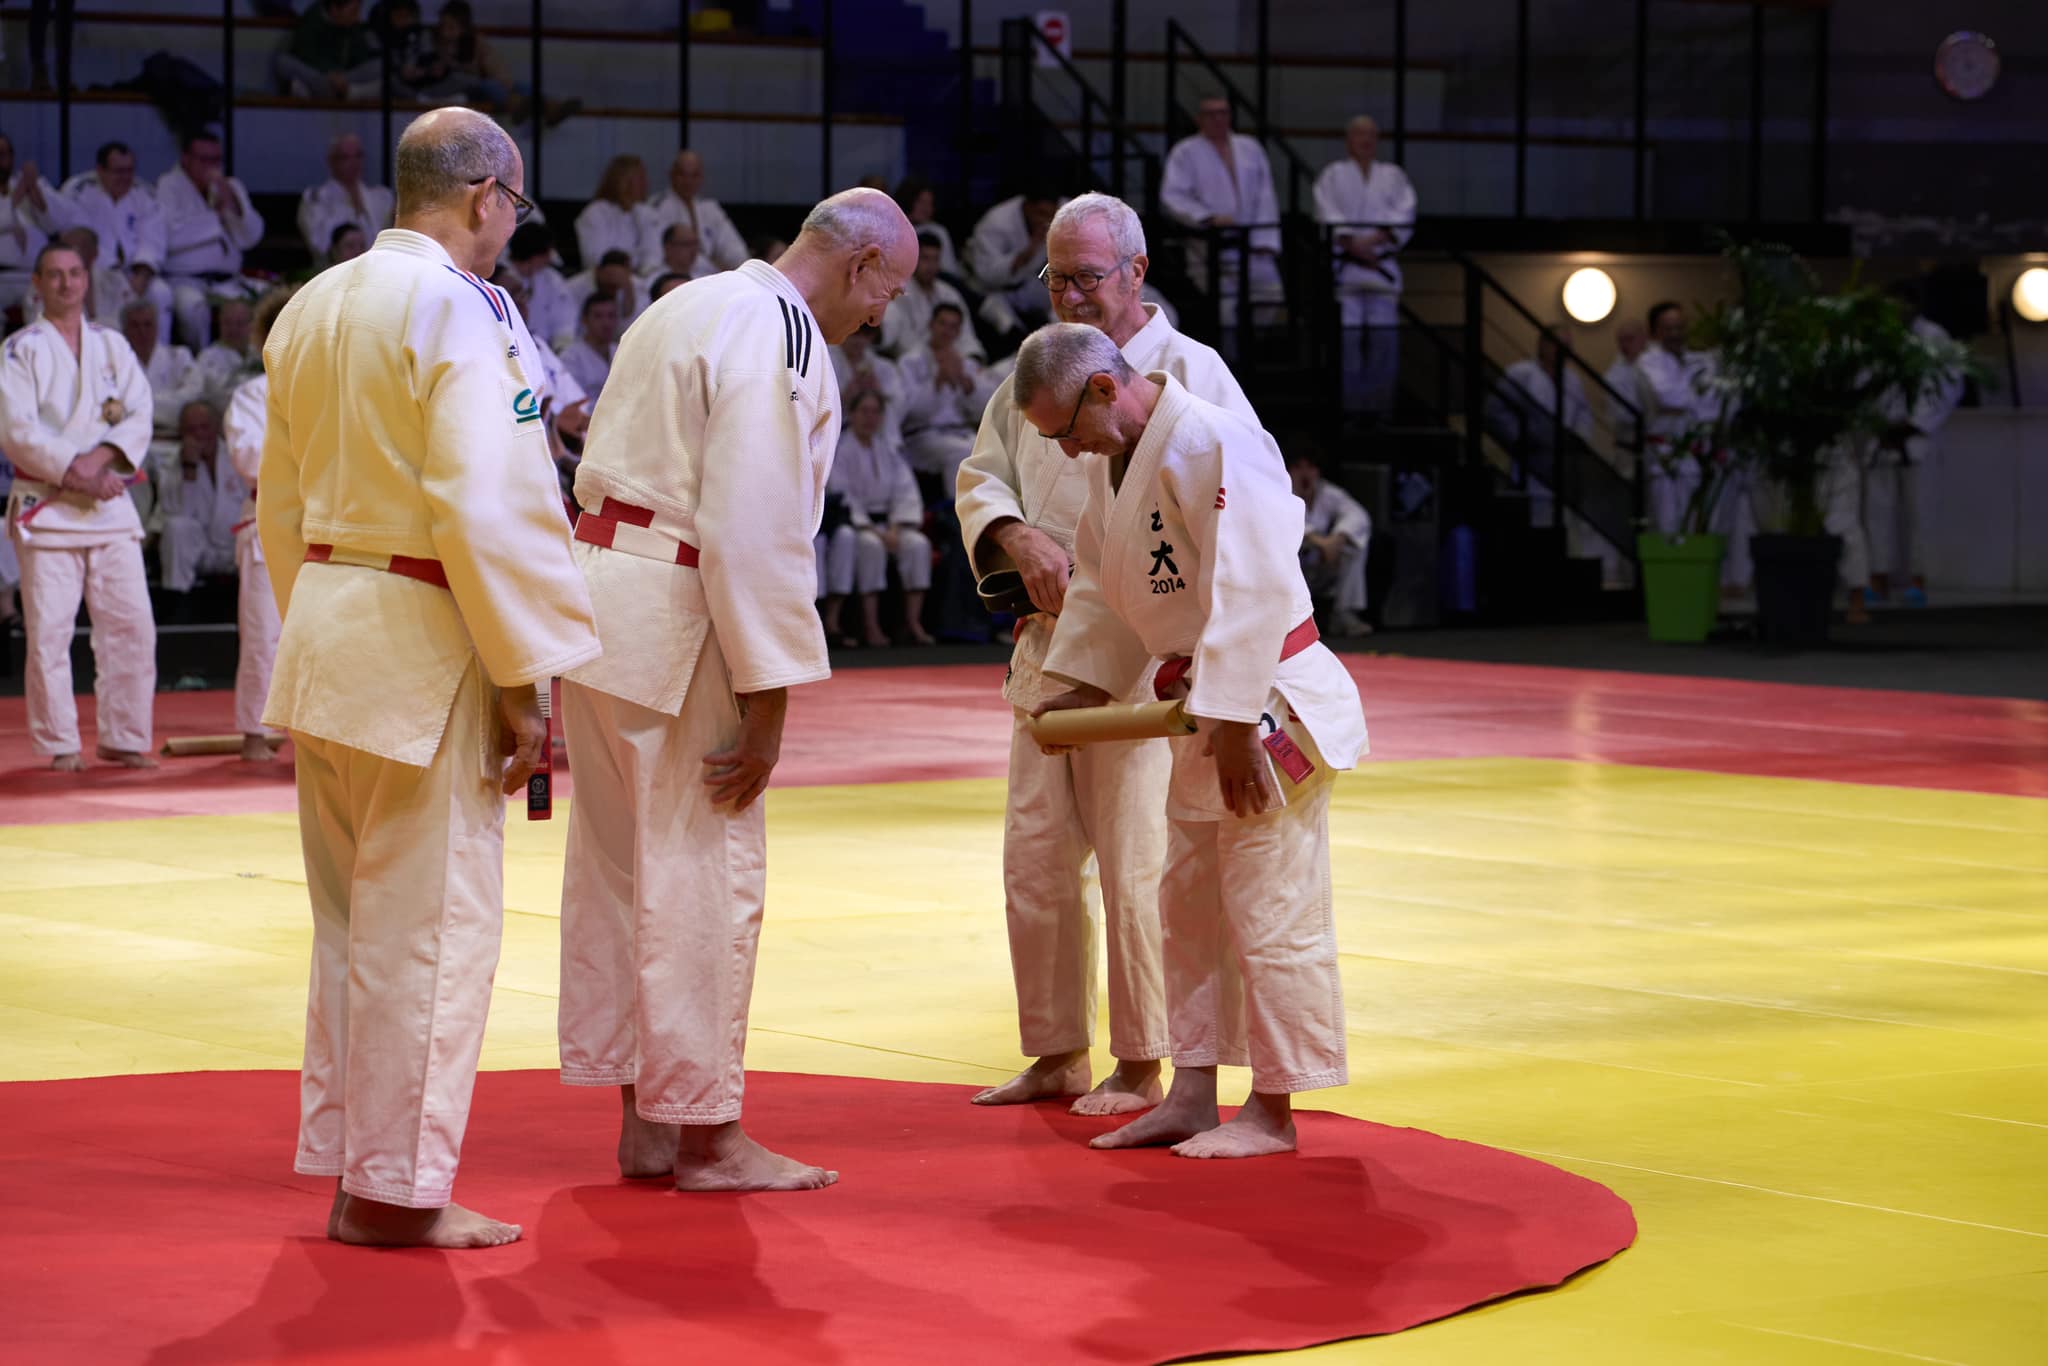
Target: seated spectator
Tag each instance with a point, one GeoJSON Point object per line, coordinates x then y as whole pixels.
{"type": "Point", "coordinates": [662, 284]}
{"type": "Point", "coordinates": [460, 64]}
{"type": "Point", "coordinates": [860, 368]}
{"type": "Point", "coordinates": [126, 218]}
{"type": "Point", "coordinates": [199, 500]}
{"type": "Point", "coordinates": [618, 219]}
{"type": "Point", "coordinates": [397, 26]}
{"type": "Point", "coordinates": [1336, 533]}
{"type": "Point", "coordinates": [589, 359]}
{"type": "Point", "coordinates": [344, 198]}
{"type": "Point", "coordinates": [684, 202]}
{"type": "Point", "coordinates": [613, 275]}
{"type": "Point", "coordinates": [330, 55]}
{"type": "Point", "coordinates": [208, 224]}
{"type": "Point", "coordinates": [680, 256]}
{"type": "Point", "coordinates": [551, 309]}
{"type": "Point", "coordinates": [228, 361]}
{"type": "Point", "coordinates": [907, 322]}
{"type": "Point", "coordinates": [175, 379]}
{"type": "Point", "coordinates": [944, 395]}
{"type": "Point", "coordinates": [885, 521]}
{"type": "Point", "coordinates": [920, 204]}
{"type": "Point", "coordinates": [346, 244]}
{"type": "Point", "coordinates": [1005, 252]}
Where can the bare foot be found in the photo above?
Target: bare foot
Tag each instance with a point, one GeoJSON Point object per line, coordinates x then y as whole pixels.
{"type": "Point", "coordinates": [126, 758]}
{"type": "Point", "coordinates": [1172, 1122]}
{"type": "Point", "coordinates": [371, 1223]}
{"type": "Point", "coordinates": [646, 1148]}
{"type": "Point", "coordinates": [256, 750]}
{"type": "Point", "coordinates": [878, 640]}
{"type": "Point", "coordinates": [1241, 1137]}
{"type": "Point", "coordinates": [1134, 1086]}
{"type": "Point", "coordinates": [725, 1159]}
{"type": "Point", "coordinates": [68, 763]}
{"type": "Point", "coordinates": [1060, 1077]}
{"type": "Point", "coordinates": [334, 1211]}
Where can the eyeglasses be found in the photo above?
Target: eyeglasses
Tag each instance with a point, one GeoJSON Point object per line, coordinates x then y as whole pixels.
{"type": "Point", "coordinates": [1075, 416]}
{"type": "Point", "coordinates": [521, 205]}
{"type": "Point", "coordinates": [1087, 280]}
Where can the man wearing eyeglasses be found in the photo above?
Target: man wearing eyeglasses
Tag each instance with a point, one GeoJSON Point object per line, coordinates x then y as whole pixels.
{"type": "Point", "coordinates": [1019, 500]}
{"type": "Point", "coordinates": [409, 516]}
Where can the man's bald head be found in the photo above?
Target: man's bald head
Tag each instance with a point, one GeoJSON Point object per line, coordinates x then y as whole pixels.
{"type": "Point", "coordinates": [459, 181]}
{"type": "Point", "coordinates": [852, 257]}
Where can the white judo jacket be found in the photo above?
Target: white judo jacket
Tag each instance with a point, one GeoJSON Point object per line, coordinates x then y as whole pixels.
{"type": "Point", "coordinates": [53, 409]}
{"type": "Point", "coordinates": [720, 419]}
{"type": "Point", "coordinates": [1015, 472]}
{"type": "Point", "coordinates": [1196, 555]}
{"type": "Point", "coordinates": [404, 419]}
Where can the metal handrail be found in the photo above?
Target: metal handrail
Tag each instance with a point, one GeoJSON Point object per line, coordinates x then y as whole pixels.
{"type": "Point", "coordinates": [1121, 138]}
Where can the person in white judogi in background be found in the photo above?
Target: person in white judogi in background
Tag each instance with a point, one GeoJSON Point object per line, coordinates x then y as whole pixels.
{"type": "Point", "coordinates": [1624, 378]}
{"type": "Point", "coordinates": [1005, 253]}
{"type": "Point", "coordinates": [551, 313]}
{"type": "Point", "coordinates": [113, 289]}
{"type": "Point", "coordinates": [886, 520]}
{"type": "Point", "coordinates": [1186, 557]}
{"type": "Point", "coordinates": [199, 498]}
{"type": "Point", "coordinates": [344, 197]}
{"type": "Point", "coordinates": [1336, 532]}
{"type": "Point", "coordinates": [1672, 404]}
{"type": "Point", "coordinates": [232, 354]}
{"type": "Point", "coordinates": [1215, 178]}
{"type": "Point", "coordinates": [859, 366]}
{"type": "Point", "coordinates": [410, 522]}
{"type": "Point", "coordinates": [1895, 497]}
{"type": "Point", "coordinates": [619, 219]}
{"type": "Point", "coordinates": [703, 484]}
{"type": "Point", "coordinates": [175, 379]}
{"type": "Point", "coordinates": [1359, 188]}
{"type": "Point", "coordinates": [1019, 499]}
{"type": "Point", "coordinates": [208, 224]}
{"type": "Point", "coordinates": [74, 423]}
{"type": "Point", "coordinates": [944, 393]}
{"type": "Point", "coordinates": [589, 358]}
{"type": "Point", "coordinates": [256, 621]}
{"type": "Point", "coordinates": [681, 255]}
{"type": "Point", "coordinates": [613, 275]}
{"type": "Point", "coordinates": [909, 319]}
{"type": "Point", "coordinates": [125, 217]}
{"type": "Point", "coordinates": [684, 201]}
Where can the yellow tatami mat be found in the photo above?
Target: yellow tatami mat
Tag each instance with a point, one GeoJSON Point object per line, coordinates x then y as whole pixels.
{"type": "Point", "coordinates": [1802, 1027]}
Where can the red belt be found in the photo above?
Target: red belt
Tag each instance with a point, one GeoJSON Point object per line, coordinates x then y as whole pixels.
{"type": "Point", "coordinates": [406, 566]}
{"type": "Point", "coordinates": [1175, 667]}
{"type": "Point", "coordinates": [603, 526]}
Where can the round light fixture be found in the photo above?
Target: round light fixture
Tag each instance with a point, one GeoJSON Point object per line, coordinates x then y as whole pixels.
{"type": "Point", "coordinates": [1589, 295]}
{"type": "Point", "coordinates": [2030, 295]}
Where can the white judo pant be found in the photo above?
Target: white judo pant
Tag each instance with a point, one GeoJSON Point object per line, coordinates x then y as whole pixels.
{"type": "Point", "coordinates": [1255, 890]}
{"type": "Point", "coordinates": [256, 628]}
{"type": "Point", "coordinates": [192, 301]}
{"type": "Point", "coordinates": [1371, 343]}
{"type": "Point", "coordinates": [1895, 493]}
{"type": "Point", "coordinates": [854, 559]}
{"type": "Point", "coordinates": [405, 870]}
{"type": "Point", "coordinates": [1841, 501]}
{"type": "Point", "coordinates": [1110, 800]}
{"type": "Point", "coordinates": [1670, 492]}
{"type": "Point", "coordinates": [110, 579]}
{"type": "Point", "coordinates": [939, 451]}
{"type": "Point", "coordinates": [1342, 577]}
{"type": "Point", "coordinates": [661, 902]}
{"type": "Point", "coordinates": [186, 548]}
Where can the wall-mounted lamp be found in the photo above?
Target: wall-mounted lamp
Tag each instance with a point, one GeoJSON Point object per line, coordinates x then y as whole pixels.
{"type": "Point", "coordinates": [1589, 294]}
{"type": "Point", "coordinates": [2030, 295]}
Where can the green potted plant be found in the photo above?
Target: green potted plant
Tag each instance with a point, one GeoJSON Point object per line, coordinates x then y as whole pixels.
{"type": "Point", "coordinates": [1805, 377]}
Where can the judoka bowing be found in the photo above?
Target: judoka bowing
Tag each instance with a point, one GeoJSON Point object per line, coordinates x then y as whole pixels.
{"type": "Point", "coordinates": [1186, 554]}
{"type": "Point", "coordinates": [703, 482]}
{"type": "Point", "coordinates": [416, 545]}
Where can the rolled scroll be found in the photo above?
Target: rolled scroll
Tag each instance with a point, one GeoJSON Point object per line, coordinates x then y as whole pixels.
{"type": "Point", "coordinates": [1119, 721]}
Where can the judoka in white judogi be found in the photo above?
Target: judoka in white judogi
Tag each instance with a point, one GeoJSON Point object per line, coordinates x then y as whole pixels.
{"type": "Point", "coordinates": [199, 500]}
{"type": "Point", "coordinates": [1218, 178]}
{"type": "Point", "coordinates": [1360, 189]}
{"type": "Point", "coordinates": [885, 520]}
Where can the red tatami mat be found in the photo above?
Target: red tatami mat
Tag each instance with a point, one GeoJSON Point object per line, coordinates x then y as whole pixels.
{"type": "Point", "coordinates": [894, 725]}
{"type": "Point", "coordinates": [156, 1219]}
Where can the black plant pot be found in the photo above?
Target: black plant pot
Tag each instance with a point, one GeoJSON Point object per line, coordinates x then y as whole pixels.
{"type": "Point", "coordinates": [1795, 587]}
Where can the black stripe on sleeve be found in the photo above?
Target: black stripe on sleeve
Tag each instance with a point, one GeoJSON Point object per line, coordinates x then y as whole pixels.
{"type": "Point", "coordinates": [803, 366]}
{"type": "Point", "coordinates": [788, 335]}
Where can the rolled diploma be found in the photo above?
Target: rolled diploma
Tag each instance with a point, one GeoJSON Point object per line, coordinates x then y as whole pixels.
{"type": "Point", "coordinates": [185, 746]}
{"type": "Point", "coordinates": [1118, 721]}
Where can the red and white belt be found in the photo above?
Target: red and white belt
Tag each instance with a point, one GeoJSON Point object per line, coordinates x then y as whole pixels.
{"type": "Point", "coordinates": [1174, 668]}
{"type": "Point", "coordinates": [405, 566]}
{"type": "Point", "coordinates": [623, 527]}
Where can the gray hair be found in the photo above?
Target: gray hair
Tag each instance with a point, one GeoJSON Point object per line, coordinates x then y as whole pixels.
{"type": "Point", "coordinates": [1362, 121]}
{"type": "Point", "coordinates": [139, 308]}
{"type": "Point", "coordinates": [1126, 233]}
{"type": "Point", "coordinates": [445, 152]}
{"type": "Point", "coordinates": [856, 218]}
{"type": "Point", "coordinates": [1059, 358]}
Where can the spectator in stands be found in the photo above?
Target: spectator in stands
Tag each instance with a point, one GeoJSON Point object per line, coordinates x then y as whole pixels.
{"type": "Point", "coordinates": [681, 256]}
{"type": "Point", "coordinates": [619, 219]}
{"type": "Point", "coordinates": [684, 202]}
{"type": "Point", "coordinates": [346, 244]}
{"type": "Point", "coordinates": [1005, 253]}
{"type": "Point", "coordinates": [663, 283]}
{"type": "Point", "coordinates": [1215, 178]}
{"type": "Point", "coordinates": [227, 362]}
{"type": "Point", "coordinates": [920, 204]}
{"type": "Point", "coordinates": [1523, 411]}
{"type": "Point", "coordinates": [551, 312]}
{"type": "Point", "coordinates": [459, 64]}
{"type": "Point", "coordinates": [330, 55]}
{"type": "Point", "coordinates": [1370, 206]}
{"type": "Point", "coordinates": [127, 219]}
{"type": "Point", "coordinates": [345, 198]}
{"type": "Point", "coordinates": [590, 358]}
{"type": "Point", "coordinates": [199, 499]}
{"type": "Point", "coordinates": [208, 224]}
{"type": "Point", "coordinates": [1336, 533]}
{"type": "Point", "coordinates": [885, 522]}
{"type": "Point", "coordinates": [175, 379]}
{"type": "Point", "coordinates": [861, 368]}
{"type": "Point", "coordinates": [907, 322]}
{"type": "Point", "coordinates": [1672, 404]}
{"type": "Point", "coordinates": [1631, 340]}
{"type": "Point", "coordinates": [612, 275]}
{"type": "Point", "coordinates": [944, 394]}
{"type": "Point", "coordinates": [24, 205]}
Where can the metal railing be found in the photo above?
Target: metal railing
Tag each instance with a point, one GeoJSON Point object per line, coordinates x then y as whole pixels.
{"type": "Point", "coordinates": [1299, 173]}
{"type": "Point", "coordinates": [1105, 167]}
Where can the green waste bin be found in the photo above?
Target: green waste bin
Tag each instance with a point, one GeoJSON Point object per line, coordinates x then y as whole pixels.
{"type": "Point", "coordinates": [1681, 584]}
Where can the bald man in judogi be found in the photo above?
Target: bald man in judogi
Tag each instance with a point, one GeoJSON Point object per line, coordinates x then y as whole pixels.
{"type": "Point", "coordinates": [1019, 499]}
{"type": "Point", "coordinates": [703, 480]}
{"type": "Point", "coordinates": [1186, 560]}
{"type": "Point", "coordinates": [414, 535]}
